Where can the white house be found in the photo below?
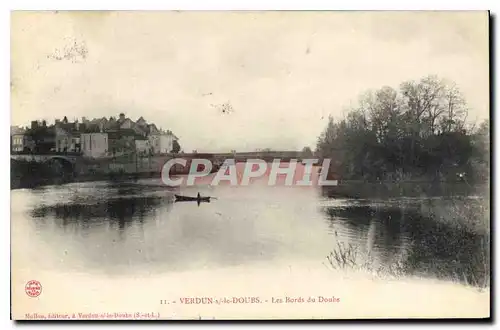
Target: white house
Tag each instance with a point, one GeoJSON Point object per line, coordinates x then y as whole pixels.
{"type": "Point", "coordinates": [154, 143]}
{"type": "Point", "coordinates": [142, 146]}
{"type": "Point", "coordinates": [162, 142]}
{"type": "Point", "coordinates": [64, 141]}
{"type": "Point", "coordinates": [20, 142]}
{"type": "Point", "coordinates": [166, 143]}
{"type": "Point", "coordinates": [67, 136]}
{"type": "Point", "coordinates": [94, 145]}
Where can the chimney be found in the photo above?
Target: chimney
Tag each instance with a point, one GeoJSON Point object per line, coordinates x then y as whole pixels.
{"type": "Point", "coordinates": [122, 116]}
{"type": "Point", "coordinates": [34, 124]}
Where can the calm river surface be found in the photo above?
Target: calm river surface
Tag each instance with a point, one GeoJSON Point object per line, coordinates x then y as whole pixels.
{"type": "Point", "coordinates": [134, 228]}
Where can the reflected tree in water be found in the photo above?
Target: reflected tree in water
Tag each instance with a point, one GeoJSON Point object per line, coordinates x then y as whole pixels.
{"type": "Point", "coordinates": [423, 245]}
{"type": "Point", "coordinates": [120, 211]}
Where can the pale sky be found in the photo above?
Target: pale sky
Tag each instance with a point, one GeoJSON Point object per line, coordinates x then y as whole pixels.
{"type": "Point", "coordinates": [282, 73]}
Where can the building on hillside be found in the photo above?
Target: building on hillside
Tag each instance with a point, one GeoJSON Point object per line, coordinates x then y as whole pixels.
{"type": "Point", "coordinates": [111, 124]}
{"type": "Point", "coordinates": [18, 139]}
{"type": "Point", "coordinates": [63, 140]}
{"type": "Point", "coordinates": [122, 142]}
{"type": "Point", "coordinates": [154, 143]}
{"type": "Point", "coordinates": [68, 141]}
{"type": "Point", "coordinates": [140, 130]}
{"type": "Point", "coordinates": [101, 123]}
{"type": "Point", "coordinates": [127, 123]}
{"type": "Point", "coordinates": [67, 138]}
{"type": "Point", "coordinates": [152, 129]}
{"type": "Point", "coordinates": [17, 130]}
{"type": "Point", "coordinates": [94, 145]}
{"type": "Point", "coordinates": [140, 127]}
{"type": "Point", "coordinates": [142, 145]}
{"type": "Point", "coordinates": [162, 142]}
{"type": "Point", "coordinates": [123, 123]}
{"type": "Point", "coordinates": [141, 122]}
{"type": "Point", "coordinates": [166, 142]}
{"type": "Point", "coordinates": [68, 134]}
{"type": "Point", "coordinates": [22, 142]}
{"type": "Point", "coordinates": [121, 118]}
{"type": "Point", "coordinates": [143, 128]}
{"type": "Point", "coordinates": [42, 137]}
{"type": "Point", "coordinates": [123, 136]}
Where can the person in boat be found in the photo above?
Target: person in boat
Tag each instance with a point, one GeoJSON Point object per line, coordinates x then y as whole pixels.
{"type": "Point", "coordinates": [199, 197]}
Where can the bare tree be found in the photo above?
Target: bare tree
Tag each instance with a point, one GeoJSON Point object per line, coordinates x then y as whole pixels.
{"type": "Point", "coordinates": [455, 110]}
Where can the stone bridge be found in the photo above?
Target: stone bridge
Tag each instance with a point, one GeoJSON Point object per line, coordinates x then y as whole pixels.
{"type": "Point", "coordinates": [79, 165]}
{"type": "Point", "coordinates": [68, 164]}
{"type": "Point", "coordinates": [47, 157]}
{"type": "Point", "coordinates": [267, 156]}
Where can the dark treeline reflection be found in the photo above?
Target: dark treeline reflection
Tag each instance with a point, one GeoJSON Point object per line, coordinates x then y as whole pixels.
{"type": "Point", "coordinates": [430, 246]}
{"type": "Point", "coordinates": [122, 210]}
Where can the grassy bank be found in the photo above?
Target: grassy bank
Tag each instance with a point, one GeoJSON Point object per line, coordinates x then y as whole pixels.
{"type": "Point", "coordinates": [30, 174]}
{"type": "Point", "coordinates": [384, 190]}
{"type": "Point", "coordinates": [26, 174]}
{"type": "Point", "coordinates": [449, 239]}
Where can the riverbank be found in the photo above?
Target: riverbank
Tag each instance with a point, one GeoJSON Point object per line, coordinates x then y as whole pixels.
{"type": "Point", "coordinates": [27, 174]}
{"type": "Point", "coordinates": [33, 174]}
{"type": "Point", "coordinates": [454, 246]}
{"type": "Point", "coordinates": [30, 174]}
{"type": "Point", "coordinates": [383, 190]}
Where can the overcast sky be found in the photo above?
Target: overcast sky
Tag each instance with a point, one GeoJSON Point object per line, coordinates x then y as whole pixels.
{"type": "Point", "coordinates": [282, 73]}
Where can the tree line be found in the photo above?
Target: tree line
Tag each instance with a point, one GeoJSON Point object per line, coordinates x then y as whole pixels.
{"type": "Point", "coordinates": [419, 130]}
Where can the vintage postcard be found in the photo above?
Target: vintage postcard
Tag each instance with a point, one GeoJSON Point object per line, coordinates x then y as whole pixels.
{"type": "Point", "coordinates": [250, 165]}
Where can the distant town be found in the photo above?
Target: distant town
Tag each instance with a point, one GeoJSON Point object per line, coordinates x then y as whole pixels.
{"type": "Point", "coordinates": [96, 138]}
{"type": "Point", "coordinates": [115, 149]}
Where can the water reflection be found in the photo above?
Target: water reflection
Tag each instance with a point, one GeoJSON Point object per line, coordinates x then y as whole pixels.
{"type": "Point", "coordinates": [124, 229]}
{"type": "Point", "coordinates": [108, 227]}
{"type": "Point", "coordinates": [121, 206]}
{"type": "Point", "coordinates": [425, 246]}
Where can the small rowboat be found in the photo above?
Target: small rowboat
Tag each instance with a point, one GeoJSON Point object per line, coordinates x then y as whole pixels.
{"type": "Point", "coordinates": [179, 198]}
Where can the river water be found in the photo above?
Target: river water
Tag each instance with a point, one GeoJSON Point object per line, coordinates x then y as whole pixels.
{"type": "Point", "coordinates": [129, 229]}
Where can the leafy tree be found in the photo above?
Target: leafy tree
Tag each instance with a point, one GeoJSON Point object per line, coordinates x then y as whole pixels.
{"type": "Point", "coordinates": [176, 147]}
{"type": "Point", "coordinates": [307, 152]}
{"type": "Point", "coordinates": [417, 130]}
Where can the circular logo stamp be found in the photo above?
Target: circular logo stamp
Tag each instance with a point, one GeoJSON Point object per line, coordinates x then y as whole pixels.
{"type": "Point", "coordinates": [33, 288]}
